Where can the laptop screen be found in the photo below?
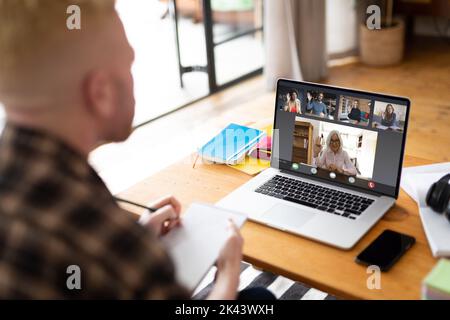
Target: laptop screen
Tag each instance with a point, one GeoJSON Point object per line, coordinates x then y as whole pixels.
{"type": "Point", "coordinates": [343, 136]}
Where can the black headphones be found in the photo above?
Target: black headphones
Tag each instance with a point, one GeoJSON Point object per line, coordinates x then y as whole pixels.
{"type": "Point", "coordinates": [438, 196]}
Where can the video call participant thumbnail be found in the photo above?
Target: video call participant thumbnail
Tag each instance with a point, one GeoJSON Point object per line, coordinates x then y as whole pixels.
{"type": "Point", "coordinates": [333, 158]}
{"type": "Point", "coordinates": [292, 102]}
{"type": "Point", "coordinates": [354, 110]}
{"type": "Point", "coordinates": [316, 106]}
{"type": "Point", "coordinates": [388, 116]}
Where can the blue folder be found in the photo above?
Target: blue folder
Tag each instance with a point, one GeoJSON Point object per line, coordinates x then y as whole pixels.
{"type": "Point", "coordinates": [231, 144]}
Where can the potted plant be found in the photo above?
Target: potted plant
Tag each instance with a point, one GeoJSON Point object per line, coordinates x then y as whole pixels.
{"type": "Point", "coordinates": [384, 46]}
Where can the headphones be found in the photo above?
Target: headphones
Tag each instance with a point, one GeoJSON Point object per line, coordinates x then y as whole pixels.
{"type": "Point", "coordinates": [438, 196]}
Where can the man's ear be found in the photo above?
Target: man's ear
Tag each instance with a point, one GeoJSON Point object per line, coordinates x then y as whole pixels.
{"type": "Point", "coordinates": [99, 93]}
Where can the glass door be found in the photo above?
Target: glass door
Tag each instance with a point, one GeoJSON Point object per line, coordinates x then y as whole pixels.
{"type": "Point", "coordinates": [233, 40]}
{"type": "Point", "coordinates": [150, 27]}
{"type": "Point", "coordinates": [237, 39]}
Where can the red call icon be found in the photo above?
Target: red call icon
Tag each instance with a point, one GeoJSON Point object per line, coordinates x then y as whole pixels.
{"type": "Point", "coordinates": [371, 184]}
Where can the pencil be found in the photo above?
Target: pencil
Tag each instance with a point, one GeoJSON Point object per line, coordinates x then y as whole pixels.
{"type": "Point", "coordinates": [195, 161]}
{"type": "Point", "coordinates": [135, 204]}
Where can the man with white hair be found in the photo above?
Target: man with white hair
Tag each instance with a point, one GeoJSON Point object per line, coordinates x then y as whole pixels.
{"type": "Point", "coordinates": [65, 92]}
{"type": "Point", "coordinates": [334, 158]}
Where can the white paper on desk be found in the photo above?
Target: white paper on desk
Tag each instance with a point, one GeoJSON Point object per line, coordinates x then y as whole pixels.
{"type": "Point", "coordinates": [416, 181]}
{"type": "Point", "coordinates": [195, 245]}
{"type": "Point", "coordinates": [410, 185]}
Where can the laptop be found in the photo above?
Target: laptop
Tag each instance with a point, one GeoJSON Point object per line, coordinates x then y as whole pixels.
{"type": "Point", "coordinates": [336, 163]}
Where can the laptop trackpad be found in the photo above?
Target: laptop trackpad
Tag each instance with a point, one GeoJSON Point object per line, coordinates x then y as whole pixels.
{"type": "Point", "coordinates": [286, 216]}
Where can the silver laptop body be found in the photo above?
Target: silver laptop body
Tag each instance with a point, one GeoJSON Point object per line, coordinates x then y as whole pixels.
{"type": "Point", "coordinates": [306, 198]}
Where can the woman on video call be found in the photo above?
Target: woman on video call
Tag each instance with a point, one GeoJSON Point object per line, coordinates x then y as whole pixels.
{"type": "Point", "coordinates": [388, 117]}
{"type": "Point", "coordinates": [293, 103]}
{"type": "Point", "coordinates": [334, 158]}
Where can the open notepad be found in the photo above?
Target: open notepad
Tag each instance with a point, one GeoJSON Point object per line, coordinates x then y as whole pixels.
{"type": "Point", "coordinates": [195, 245]}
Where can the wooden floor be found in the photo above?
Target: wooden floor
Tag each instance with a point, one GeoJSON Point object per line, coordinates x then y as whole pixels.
{"type": "Point", "coordinates": [424, 77]}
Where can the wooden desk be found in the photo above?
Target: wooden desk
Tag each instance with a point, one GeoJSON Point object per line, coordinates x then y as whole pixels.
{"type": "Point", "coordinates": [323, 267]}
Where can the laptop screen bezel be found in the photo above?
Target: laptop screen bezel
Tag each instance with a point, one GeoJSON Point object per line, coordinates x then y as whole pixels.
{"type": "Point", "coordinates": [344, 90]}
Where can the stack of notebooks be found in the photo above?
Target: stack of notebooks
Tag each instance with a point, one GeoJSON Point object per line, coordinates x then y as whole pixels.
{"type": "Point", "coordinates": [243, 148]}
{"type": "Point", "coordinates": [436, 285]}
{"type": "Point", "coordinates": [231, 145]}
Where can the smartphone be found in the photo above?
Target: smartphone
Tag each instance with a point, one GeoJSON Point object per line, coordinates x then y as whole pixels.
{"type": "Point", "coordinates": [385, 250]}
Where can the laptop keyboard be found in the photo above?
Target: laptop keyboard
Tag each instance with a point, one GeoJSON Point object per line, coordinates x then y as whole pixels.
{"type": "Point", "coordinates": [332, 201]}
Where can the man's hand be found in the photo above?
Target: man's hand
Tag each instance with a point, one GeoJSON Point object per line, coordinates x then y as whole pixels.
{"type": "Point", "coordinates": [165, 218]}
{"type": "Point", "coordinates": [228, 267]}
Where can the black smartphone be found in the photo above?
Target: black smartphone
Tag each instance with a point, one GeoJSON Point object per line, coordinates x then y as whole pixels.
{"type": "Point", "coordinates": [385, 250]}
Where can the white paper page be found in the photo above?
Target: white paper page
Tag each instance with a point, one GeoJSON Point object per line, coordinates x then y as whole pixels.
{"type": "Point", "coordinates": [436, 226]}
{"type": "Point", "coordinates": [408, 182]}
{"type": "Point", "coordinates": [409, 185]}
{"type": "Point", "coordinates": [438, 232]}
{"type": "Point", "coordinates": [195, 245]}
{"type": "Point", "coordinates": [431, 168]}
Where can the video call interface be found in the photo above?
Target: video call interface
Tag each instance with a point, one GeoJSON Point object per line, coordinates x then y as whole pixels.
{"type": "Point", "coordinates": [342, 136]}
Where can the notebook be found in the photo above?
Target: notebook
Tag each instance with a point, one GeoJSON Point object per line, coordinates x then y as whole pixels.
{"type": "Point", "coordinates": [195, 245]}
{"type": "Point", "coordinates": [230, 145]}
{"type": "Point", "coordinates": [258, 158]}
{"type": "Point", "coordinates": [263, 149]}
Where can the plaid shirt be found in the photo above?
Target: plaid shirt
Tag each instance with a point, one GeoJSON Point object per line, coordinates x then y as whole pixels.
{"type": "Point", "coordinates": [55, 212]}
